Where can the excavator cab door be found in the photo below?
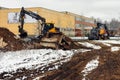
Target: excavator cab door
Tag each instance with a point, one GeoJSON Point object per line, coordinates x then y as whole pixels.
{"type": "Point", "coordinates": [47, 27]}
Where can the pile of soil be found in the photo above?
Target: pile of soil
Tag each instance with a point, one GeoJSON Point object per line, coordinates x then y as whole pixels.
{"type": "Point", "coordinates": [12, 42]}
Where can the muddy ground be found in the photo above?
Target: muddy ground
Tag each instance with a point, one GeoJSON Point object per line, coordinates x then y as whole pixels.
{"type": "Point", "coordinates": [108, 67]}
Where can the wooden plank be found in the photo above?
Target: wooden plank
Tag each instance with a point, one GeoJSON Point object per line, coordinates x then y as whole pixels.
{"type": "Point", "coordinates": [51, 45]}
{"type": "Point", "coordinates": [49, 39]}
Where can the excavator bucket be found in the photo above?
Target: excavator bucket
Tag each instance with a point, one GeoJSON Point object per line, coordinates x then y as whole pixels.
{"type": "Point", "coordinates": [23, 35]}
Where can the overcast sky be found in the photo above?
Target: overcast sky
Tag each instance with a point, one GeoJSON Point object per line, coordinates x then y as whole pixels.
{"type": "Point", "coordinates": [103, 9]}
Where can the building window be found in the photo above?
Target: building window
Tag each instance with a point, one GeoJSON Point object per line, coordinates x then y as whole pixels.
{"type": "Point", "coordinates": [78, 25]}
{"type": "Point", "coordinates": [78, 19]}
{"type": "Point", "coordinates": [89, 21]}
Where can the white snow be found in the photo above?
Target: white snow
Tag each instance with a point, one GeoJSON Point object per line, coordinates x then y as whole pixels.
{"type": "Point", "coordinates": [11, 61]}
{"type": "Point", "coordinates": [81, 50]}
{"type": "Point", "coordinates": [109, 41]}
{"type": "Point", "coordinates": [33, 59]}
{"type": "Point", "coordinates": [115, 48]}
{"type": "Point", "coordinates": [90, 45]}
{"type": "Point", "coordinates": [89, 67]}
{"type": "Point", "coordinates": [39, 77]}
{"type": "Point", "coordinates": [107, 44]}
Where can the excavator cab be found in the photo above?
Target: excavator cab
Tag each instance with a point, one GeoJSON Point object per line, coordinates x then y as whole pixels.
{"type": "Point", "coordinates": [50, 28]}
{"type": "Point", "coordinates": [99, 32]}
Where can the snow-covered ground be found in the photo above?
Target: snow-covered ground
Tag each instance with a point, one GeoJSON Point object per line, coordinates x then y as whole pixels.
{"type": "Point", "coordinates": [41, 58]}
{"type": "Point", "coordinates": [115, 48]}
{"type": "Point", "coordinates": [90, 45]}
{"type": "Point", "coordinates": [33, 59]}
{"type": "Point", "coordinates": [11, 61]}
{"type": "Point", "coordinates": [109, 41]}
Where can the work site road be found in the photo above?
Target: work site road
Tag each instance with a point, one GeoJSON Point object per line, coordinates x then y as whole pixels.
{"type": "Point", "coordinates": [100, 62]}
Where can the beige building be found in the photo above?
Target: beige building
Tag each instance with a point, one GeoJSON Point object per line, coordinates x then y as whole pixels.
{"type": "Point", "coordinates": [9, 19]}
{"type": "Point", "coordinates": [83, 24]}
{"type": "Point", "coordinates": [69, 23]}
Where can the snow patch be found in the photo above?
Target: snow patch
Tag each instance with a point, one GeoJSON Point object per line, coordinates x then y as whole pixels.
{"type": "Point", "coordinates": [38, 78]}
{"type": "Point", "coordinates": [31, 59]}
{"type": "Point", "coordinates": [109, 41]}
{"type": "Point", "coordinates": [89, 67]}
{"type": "Point", "coordinates": [90, 45]}
{"type": "Point", "coordinates": [81, 50]}
{"type": "Point", "coordinates": [115, 48]}
{"type": "Point", "coordinates": [106, 44]}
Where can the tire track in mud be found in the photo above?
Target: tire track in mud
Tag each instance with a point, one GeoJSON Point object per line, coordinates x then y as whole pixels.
{"type": "Point", "coordinates": [108, 69]}
{"type": "Point", "coordinates": [72, 69]}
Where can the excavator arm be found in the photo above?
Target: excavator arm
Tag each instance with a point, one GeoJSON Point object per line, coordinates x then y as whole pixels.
{"type": "Point", "coordinates": [23, 33]}
{"type": "Point", "coordinates": [44, 27]}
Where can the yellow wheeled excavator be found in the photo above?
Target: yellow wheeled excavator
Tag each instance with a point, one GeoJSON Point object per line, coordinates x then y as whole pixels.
{"type": "Point", "coordinates": [99, 32]}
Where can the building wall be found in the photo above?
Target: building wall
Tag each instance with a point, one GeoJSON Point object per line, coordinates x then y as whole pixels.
{"type": "Point", "coordinates": [63, 21]}
{"type": "Point", "coordinates": [83, 24]}
{"type": "Point", "coordinates": [3, 8]}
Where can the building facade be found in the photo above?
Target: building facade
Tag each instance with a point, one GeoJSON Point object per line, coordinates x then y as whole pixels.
{"type": "Point", "coordinates": [9, 18]}
{"type": "Point", "coordinates": [69, 23]}
{"type": "Point", "coordinates": [83, 24]}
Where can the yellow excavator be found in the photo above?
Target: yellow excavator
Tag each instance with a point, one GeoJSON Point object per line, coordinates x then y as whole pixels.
{"type": "Point", "coordinates": [49, 36]}
{"type": "Point", "coordinates": [44, 27]}
{"type": "Point", "coordinates": [99, 32]}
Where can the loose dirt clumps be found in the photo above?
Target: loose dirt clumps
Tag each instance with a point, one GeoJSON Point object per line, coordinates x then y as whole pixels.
{"type": "Point", "coordinates": [9, 38]}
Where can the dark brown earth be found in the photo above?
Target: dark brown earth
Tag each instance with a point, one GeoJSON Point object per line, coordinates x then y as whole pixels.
{"type": "Point", "coordinates": [108, 69]}
{"type": "Point", "coordinates": [12, 42]}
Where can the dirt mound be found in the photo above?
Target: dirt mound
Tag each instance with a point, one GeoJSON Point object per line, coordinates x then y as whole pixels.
{"type": "Point", "coordinates": [10, 40]}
